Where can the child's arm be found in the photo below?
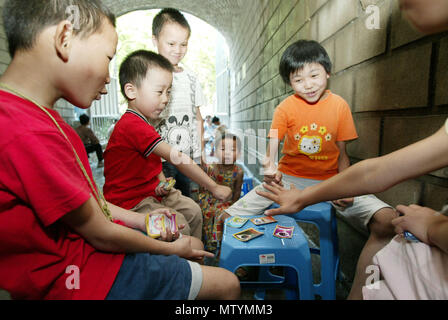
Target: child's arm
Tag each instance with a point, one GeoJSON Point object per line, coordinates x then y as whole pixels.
{"type": "Point", "coordinates": [271, 174]}
{"type": "Point", "coordinates": [104, 235]}
{"type": "Point", "coordinates": [368, 176]}
{"type": "Point", "coordinates": [237, 186]}
{"type": "Point", "coordinates": [192, 170]}
{"type": "Point", "coordinates": [426, 224]}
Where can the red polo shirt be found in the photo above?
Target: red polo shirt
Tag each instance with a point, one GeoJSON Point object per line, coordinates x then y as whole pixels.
{"type": "Point", "coordinates": [130, 166]}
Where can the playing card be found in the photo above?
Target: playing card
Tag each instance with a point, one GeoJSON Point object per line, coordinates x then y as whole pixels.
{"type": "Point", "coordinates": [263, 220]}
{"type": "Point", "coordinates": [283, 232]}
{"type": "Point", "coordinates": [236, 222]}
{"type": "Point", "coordinates": [155, 224]}
{"type": "Point", "coordinates": [247, 234]}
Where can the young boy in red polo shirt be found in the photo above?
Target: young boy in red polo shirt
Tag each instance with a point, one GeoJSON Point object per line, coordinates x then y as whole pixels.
{"type": "Point", "coordinates": [133, 158]}
{"type": "Point", "coordinates": [56, 234]}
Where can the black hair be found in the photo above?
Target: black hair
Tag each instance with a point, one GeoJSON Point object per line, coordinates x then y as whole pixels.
{"type": "Point", "coordinates": [226, 136]}
{"type": "Point", "coordinates": [136, 65]}
{"type": "Point", "coordinates": [25, 19]}
{"type": "Point", "coordinates": [84, 119]}
{"type": "Point", "coordinates": [300, 53]}
{"type": "Point", "coordinates": [168, 15]}
{"type": "Point", "coordinates": [215, 119]}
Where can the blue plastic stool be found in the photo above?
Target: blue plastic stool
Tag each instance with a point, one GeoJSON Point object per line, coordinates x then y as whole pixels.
{"type": "Point", "coordinates": [267, 251]}
{"type": "Point", "coordinates": [323, 216]}
{"type": "Point", "coordinates": [248, 184]}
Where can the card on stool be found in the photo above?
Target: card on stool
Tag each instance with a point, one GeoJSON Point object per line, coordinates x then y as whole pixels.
{"type": "Point", "coordinates": [247, 234]}
{"type": "Point", "coordinates": [283, 232]}
{"type": "Point", "coordinates": [263, 220]}
{"type": "Point", "coordinates": [236, 222]}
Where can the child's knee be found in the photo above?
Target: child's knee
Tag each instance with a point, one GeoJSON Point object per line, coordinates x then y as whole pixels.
{"type": "Point", "coordinates": [381, 223]}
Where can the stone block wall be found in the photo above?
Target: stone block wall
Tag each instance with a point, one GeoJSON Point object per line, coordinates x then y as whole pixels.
{"type": "Point", "coordinates": [393, 77]}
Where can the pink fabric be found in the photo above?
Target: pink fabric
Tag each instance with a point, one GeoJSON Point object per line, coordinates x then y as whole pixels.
{"type": "Point", "coordinates": [409, 271]}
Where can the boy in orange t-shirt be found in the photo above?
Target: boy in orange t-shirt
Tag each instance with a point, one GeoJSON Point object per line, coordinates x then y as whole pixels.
{"type": "Point", "coordinates": [315, 125]}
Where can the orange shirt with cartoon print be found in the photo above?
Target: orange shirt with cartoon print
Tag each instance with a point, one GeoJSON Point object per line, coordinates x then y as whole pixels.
{"type": "Point", "coordinates": [310, 133]}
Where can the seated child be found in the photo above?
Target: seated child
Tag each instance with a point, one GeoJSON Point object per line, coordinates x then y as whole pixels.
{"type": "Point", "coordinates": [133, 166]}
{"type": "Point", "coordinates": [58, 236]}
{"type": "Point", "coordinates": [224, 172]}
{"type": "Point", "coordinates": [402, 269]}
{"type": "Point", "coordinates": [315, 125]}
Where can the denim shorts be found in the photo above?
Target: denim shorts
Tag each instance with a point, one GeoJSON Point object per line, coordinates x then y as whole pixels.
{"type": "Point", "coordinates": [144, 276]}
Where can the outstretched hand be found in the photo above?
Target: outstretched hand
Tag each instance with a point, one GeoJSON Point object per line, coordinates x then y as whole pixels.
{"type": "Point", "coordinates": [287, 199]}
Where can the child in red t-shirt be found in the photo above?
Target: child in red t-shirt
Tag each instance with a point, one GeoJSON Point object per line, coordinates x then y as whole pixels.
{"type": "Point", "coordinates": [133, 165]}
{"type": "Point", "coordinates": [56, 234]}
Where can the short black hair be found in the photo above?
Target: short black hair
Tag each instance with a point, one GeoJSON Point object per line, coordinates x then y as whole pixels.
{"type": "Point", "coordinates": [25, 19]}
{"type": "Point", "coordinates": [227, 135]}
{"type": "Point", "coordinates": [84, 119]}
{"type": "Point", "coordinates": [136, 65]}
{"type": "Point", "coordinates": [300, 53]}
{"type": "Point", "coordinates": [215, 119]}
{"type": "Point", "coordinates": [168, 15]}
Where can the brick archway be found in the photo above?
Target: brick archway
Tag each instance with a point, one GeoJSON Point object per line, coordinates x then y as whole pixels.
{"type": "Point", "coordinates": [224, 15]}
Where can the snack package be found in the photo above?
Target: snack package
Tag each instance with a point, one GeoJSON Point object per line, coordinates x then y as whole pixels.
{"type": "Point", "coordinates": [247, 234]}
{"type": "Point", "coordinates": [236, 222]}
{"type": "Point", "coordinates": [155, 224]}
{"type": "Point", "coordinates": [263, 220]}
{"type": "Point", "coordinates": [283, 232]}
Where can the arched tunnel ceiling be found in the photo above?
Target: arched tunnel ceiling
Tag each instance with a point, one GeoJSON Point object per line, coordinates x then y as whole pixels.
{"type": "Point", "coordinates": [224, 15]}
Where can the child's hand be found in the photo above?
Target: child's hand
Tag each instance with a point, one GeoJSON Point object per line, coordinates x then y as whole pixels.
{"type": "Point", "coordinates": [344, 203]}
{"type": "Point", "coordinates": [222, 193]}
{"type": "Point", "coordinates": [167, 236]}
{"type": "Point", "coordinates": [182, 248]}
{"type": "Point", "coordinates": [272, 175]}
{"type": "Point", "coordinates": [417, 220]}
{"type": "Point", "coordinates": [160, 191]}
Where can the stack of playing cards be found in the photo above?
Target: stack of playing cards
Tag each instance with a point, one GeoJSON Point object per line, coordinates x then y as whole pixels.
{"type": "Point", "coordinates": [247, 234]}
{"type": "Point", "coordinates": [262, 220]}
{"type": "Point", "coordinates": [236, 222]}
{"type": "Point", "coordinates": [155, 224]}
{"type": "Point", "coordinates": [283, 232]}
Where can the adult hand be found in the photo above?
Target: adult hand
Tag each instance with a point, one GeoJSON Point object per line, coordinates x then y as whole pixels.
{"type": "Point", "coordinates": [417, 220]}
{"type": "Point", "coordinates": [288, 200]}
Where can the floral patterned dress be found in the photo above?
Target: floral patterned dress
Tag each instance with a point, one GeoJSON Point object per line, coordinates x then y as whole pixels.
{"type": "Point", "coordinates": [213, 208]}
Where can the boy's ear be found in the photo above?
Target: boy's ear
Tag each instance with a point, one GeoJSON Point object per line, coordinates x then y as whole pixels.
{"type": "Point", "coordinates": [130, 90]}
{"type": "Point", "coordinates": [154, 41]}
{"type": "Point", "coordinates": [63, 39]}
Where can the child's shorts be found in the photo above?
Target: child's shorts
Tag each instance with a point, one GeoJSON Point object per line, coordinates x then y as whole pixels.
{"type": "Point", "coordinates": [359, 214]}
{"type": "Point", "coordinates": [144, 276]}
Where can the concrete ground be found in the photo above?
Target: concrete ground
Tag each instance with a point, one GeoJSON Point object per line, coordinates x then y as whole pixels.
{"type": "Point", "coordinates": [353, 242]}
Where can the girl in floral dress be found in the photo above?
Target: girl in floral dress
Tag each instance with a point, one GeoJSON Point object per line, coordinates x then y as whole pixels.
{"type": "Point", "coordinates": [224, 172]}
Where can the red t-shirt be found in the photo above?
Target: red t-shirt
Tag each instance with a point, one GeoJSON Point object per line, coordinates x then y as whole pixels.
{"type": "Point", "coordinates": [130, 166]}
{"type": "Point", "coordinates": [40, 182]}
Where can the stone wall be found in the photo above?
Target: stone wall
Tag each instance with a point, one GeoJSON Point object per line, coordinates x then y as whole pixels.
{"type": "Point", "coordinates": [393, 78]}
